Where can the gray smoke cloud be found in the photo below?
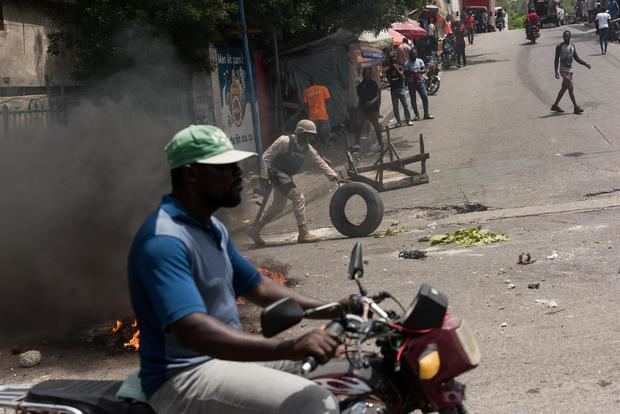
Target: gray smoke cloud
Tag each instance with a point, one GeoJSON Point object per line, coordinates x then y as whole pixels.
{"type": "Point", "coordinates": [74, 195]}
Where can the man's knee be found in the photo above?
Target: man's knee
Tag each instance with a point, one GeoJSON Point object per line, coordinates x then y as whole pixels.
{"type": "Point", "coordinates": [312, 399]}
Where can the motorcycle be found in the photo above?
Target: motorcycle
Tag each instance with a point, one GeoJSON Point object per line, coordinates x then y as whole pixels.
{"type": "Point", "coordinates": [448, 54]}
{"type": "Point", "coordinates": [532, 33]}
{"type": "Point", "coordinates": [432, 75]}
{"type": "Point", "coordinates": [419, 354]}
{"type": "Point", "coordinates": [499, 23]}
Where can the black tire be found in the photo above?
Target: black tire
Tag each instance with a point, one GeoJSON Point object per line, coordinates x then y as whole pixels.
{"type": "Point", "coordinates": [374, 210]}
{"type": "Point", "coordinates": [433, 85]}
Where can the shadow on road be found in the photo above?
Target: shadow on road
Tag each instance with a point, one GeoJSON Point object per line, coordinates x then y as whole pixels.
{"type": "Point", "coordinates": [478, 62]}
{"type": "Point", "coordinates": [554, 114]}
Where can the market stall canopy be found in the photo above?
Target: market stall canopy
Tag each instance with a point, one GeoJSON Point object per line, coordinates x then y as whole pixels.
{"type": "Point", "coordinates": [380, 40]}
{"type": "Point", "coordinates": [397, 37]}
{"type": "Point", "coordinates": [410, 29]}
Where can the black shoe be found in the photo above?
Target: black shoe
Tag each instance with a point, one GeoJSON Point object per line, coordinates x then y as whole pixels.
{"type": "Point", "coordinates": [578, 110]}
{"type": "Point", "coordinates": [556, 108]}
{"type": "Point", "coordinates": [429, 116]}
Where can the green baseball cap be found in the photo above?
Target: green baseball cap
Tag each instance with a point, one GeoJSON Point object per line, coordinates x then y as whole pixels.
{"type": "Point", "coordinates": [202, 144]}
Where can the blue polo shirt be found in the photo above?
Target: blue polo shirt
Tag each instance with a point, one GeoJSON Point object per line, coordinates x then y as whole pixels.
{"type": "Point", "coordinates": [179, 266]}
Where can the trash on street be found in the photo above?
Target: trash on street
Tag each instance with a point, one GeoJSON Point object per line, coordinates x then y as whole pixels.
{"type": "Point", "coordinates": [468, 237]}
{"type": "Point", "coordinates": [412, 254]}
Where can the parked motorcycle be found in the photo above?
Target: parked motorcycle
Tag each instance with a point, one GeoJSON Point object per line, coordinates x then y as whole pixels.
{"type": "Point", "coordinates": [419, 354]}
{"type": "Point", "coordinates": [432, 75]}
{"type": "Point", "coordinates": [532, 33]}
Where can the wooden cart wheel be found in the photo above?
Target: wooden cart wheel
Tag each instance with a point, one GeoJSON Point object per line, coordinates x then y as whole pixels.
{"type": "Point", "coordinates": [374, 210]}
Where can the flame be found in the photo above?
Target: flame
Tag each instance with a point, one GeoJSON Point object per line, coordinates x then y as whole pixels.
{"type": "Point", "coordinates": [123, 329]}
{"type": "Point", "coordinates": [278, 277]}
{"type": "Point", "coordinates": [134, 342]}
{"type": "Point", "coordinates": [117, 326]}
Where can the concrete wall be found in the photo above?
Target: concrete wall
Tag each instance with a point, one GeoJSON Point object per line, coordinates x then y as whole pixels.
{"type": "Point", "coordinates": [23, 47]}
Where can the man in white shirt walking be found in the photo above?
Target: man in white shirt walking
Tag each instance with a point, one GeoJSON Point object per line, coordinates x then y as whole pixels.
{"type": "Point", "coordinates": [602, 19]}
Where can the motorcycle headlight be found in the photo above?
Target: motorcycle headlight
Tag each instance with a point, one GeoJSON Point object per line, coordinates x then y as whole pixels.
{"type": "Point", "coordinates": [469, 344]}
{"type": "Point", "coordinates": [429, 363]}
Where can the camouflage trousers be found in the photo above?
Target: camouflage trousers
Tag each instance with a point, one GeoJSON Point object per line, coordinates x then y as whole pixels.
{"type": "Point", "coordinates": [279, 202]}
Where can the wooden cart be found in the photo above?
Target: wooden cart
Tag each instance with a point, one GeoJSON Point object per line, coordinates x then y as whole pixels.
{"type": "Point", "coordinates": [390, 174]}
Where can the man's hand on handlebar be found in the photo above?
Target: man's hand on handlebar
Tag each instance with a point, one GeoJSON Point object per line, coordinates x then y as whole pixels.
{"type": "Point", "coordinates": [318, 344]}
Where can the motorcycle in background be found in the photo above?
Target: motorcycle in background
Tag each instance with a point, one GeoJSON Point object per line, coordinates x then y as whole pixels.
{"type": "Point", "coordinates": [532, 33]}
{"type": "Point", "coordinates": [432, 75]}
{"type": "Point", "coordinates": [499, 23]}
{"type": "Point", "coordinates": [448, 54]}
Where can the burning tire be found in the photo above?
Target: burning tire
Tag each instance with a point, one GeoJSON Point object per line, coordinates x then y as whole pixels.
{"type": "Point", "coordinates": [374, 210]}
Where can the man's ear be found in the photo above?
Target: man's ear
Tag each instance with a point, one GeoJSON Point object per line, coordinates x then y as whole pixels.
{"type": "Point", "coordinates": [189, 174]}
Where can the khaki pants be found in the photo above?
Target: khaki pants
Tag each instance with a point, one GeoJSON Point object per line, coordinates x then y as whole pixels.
{"type": "Point", "coordinates": [229, 387]}
{"type": "Point", "coordinates": [279, 202]}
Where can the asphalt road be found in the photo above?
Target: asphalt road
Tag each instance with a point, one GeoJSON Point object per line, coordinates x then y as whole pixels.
{"type": "Point", "coordinates": [549, 182]}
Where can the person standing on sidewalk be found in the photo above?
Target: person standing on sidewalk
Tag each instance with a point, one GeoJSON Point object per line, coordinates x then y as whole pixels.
{"type": "Point", "coordinates": [565, 52]}
{"type": "Point", "coordinates": [413, 71]}
{"type": "Point", "coordinates": [315, 98]}
{"type": "Point", "coordinates": [396, 77]}
{"type": "Point", "coordinates": [602, 19]}
{"type": "Point", "coordinates": [431, 39]}
{"type": "Point", "coordinates": [459, 34]}
{"type": "Point", "coordinates": [280, 163]}
{"type": "Point", "coordinates": [369, 105]}
{"type": "Point", "coordinates": [470, 25]}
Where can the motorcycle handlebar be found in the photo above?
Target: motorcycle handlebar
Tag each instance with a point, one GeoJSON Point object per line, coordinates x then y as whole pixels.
{"type": "Point", "coordinates": [310, 363]}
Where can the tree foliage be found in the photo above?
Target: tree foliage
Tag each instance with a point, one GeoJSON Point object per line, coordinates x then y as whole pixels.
{"type": "Point", "coordinates": [96, 32]}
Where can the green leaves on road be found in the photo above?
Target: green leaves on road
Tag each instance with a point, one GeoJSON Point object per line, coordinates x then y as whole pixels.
{"type": "Point", "coordinates": [468, 237]}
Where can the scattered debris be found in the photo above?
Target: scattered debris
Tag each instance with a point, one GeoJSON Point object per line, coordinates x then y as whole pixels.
{"type": "Point", "coordinates": [246, 221]}
{"type": "Point", "coordinates": [525, 258]}
{"type": "Point", "coordinates": [424, 239]}
{"type": "Point", "coordinates": [412, 254]}
{"type": "Point", "coordinates": [511, 286]}
{"type": "Point", "coordinates": [550, 303]}
{"type": "Point", "coordinates": [507, 281]}
{"type": "Point", "coordinates": [394, 223]}
{"type": "Point", "coordinates": [501, 271]}
{"type": "Point", "coordinates": [554, 255]}
{"type": "Point", "coordinates": [436, 171]}
{"type": "Point", "coordinates": [366, 261]}
{"type": "Point", "coordinates": [533, 285]}
{"type": "Point", "coordinates": [29, 359]}
{"type": "Point", "coordinates": [533, 391]}
{"type": "Point", "coordinates": [468, 237]}
{"type": "Point", "coordinates": [603, 383]}
{"type": "Point", "coordinates": [470, 207]}
{"type": "Point", "coordinates": [503, 325]}
{"type": "Point", "coordinates": [381, 234]}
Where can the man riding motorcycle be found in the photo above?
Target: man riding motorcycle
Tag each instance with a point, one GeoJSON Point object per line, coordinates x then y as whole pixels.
{"type": "Point", "coordinates": [531, 23]}
{"type": "Point", "coordinates": [184, 277]}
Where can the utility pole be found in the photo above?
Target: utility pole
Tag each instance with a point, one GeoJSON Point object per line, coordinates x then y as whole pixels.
{"type": "Point", "coordinates": [250, 77]}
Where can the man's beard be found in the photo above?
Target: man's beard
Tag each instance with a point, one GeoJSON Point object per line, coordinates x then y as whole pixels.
{"type": "Point", "coordinates": [230, 200]}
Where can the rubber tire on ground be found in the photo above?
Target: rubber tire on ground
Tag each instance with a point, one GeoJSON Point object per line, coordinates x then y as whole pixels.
{"type": "Point", "coordinates": [374, 210]}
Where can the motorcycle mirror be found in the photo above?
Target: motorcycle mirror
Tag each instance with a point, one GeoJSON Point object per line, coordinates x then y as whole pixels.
{"type": "Point", "coordinates": [356, 263]}
{"type": "Point", "coordinates": [280, 316]}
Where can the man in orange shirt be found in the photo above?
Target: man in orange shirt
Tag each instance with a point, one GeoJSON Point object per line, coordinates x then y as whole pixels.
{"type": "Point", "coordinates": [469, 25]}
{"type": "Point", "coordinates": [315, 98]}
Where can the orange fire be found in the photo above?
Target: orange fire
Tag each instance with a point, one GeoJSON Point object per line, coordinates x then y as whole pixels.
{"type": "Point", "coordinates": [278, 277]}
{"type": "Point", "coordinates": [117, 326]}
{"type": "Point", "coordinates": [134, 342]}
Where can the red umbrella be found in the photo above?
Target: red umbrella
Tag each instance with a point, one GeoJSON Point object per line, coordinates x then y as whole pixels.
{"type": "Point", "coordinates": [398, 38]}
{"type": "Point", "coordinates": [410, 29]}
